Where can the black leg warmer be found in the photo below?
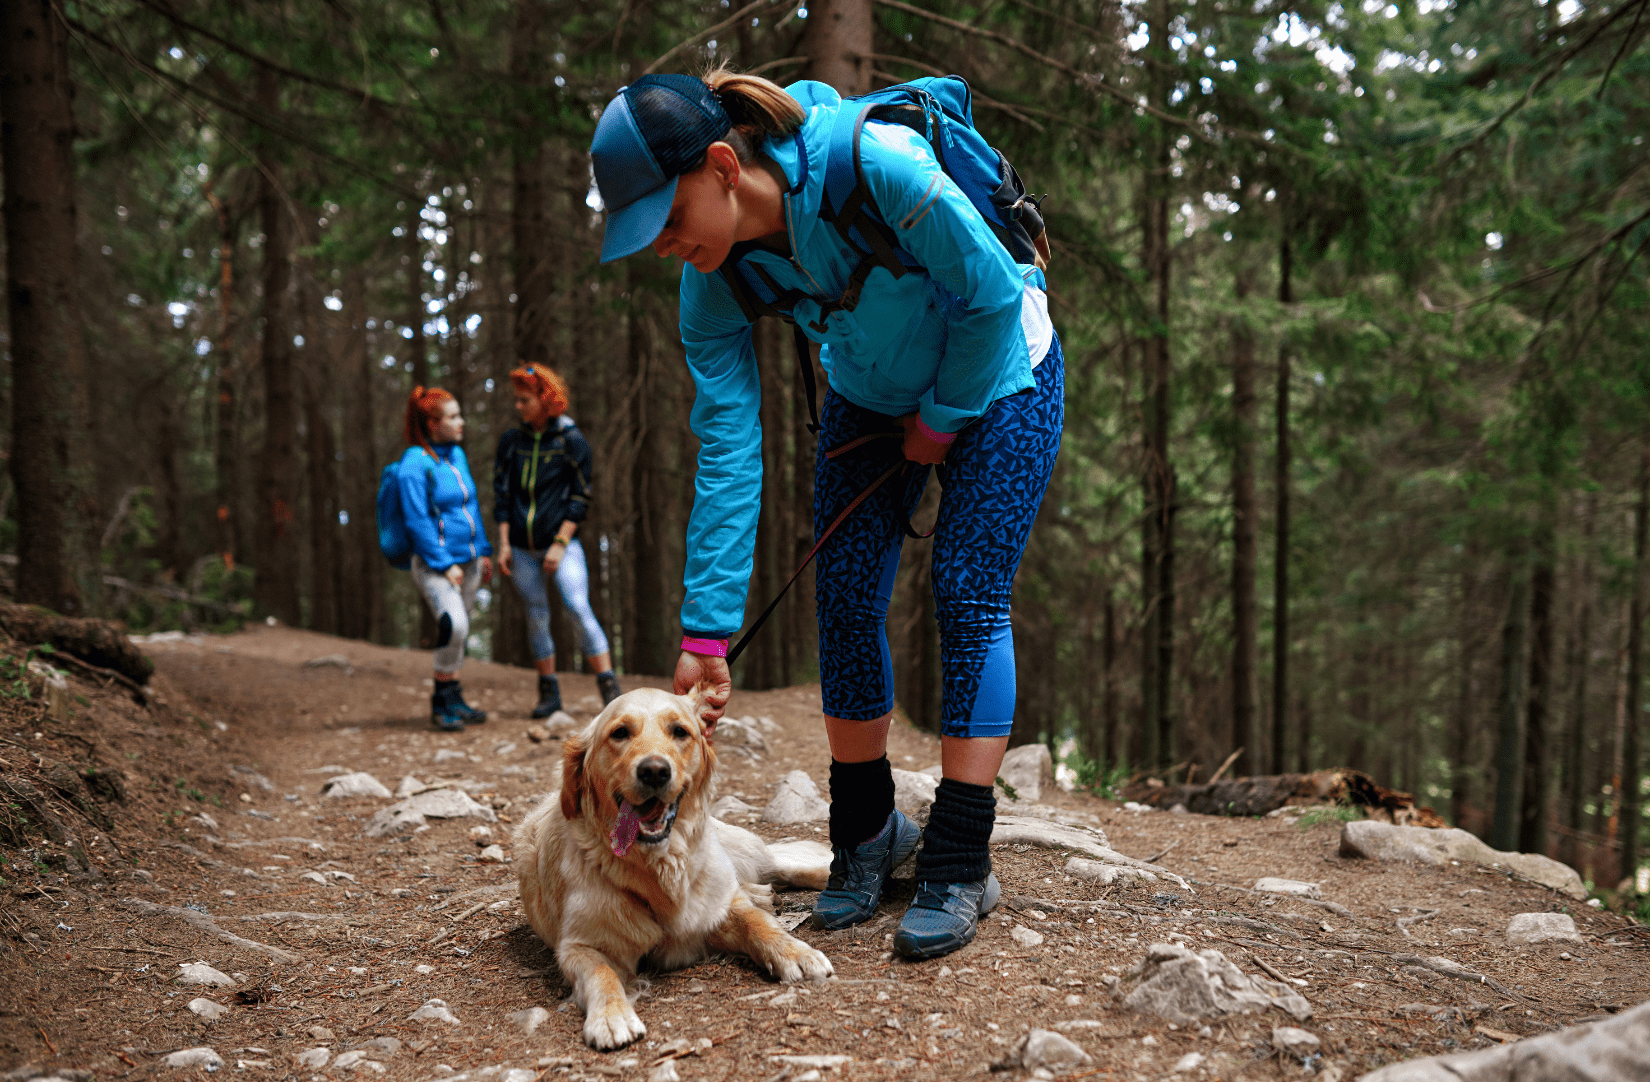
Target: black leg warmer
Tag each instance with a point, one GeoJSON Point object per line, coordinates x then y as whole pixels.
{"type": "Point", "coordinates": [956, 847]}
{"type": "Point", "coordinates": [862, 796]}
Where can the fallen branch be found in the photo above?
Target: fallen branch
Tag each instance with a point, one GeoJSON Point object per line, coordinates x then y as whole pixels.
{"type": "Point", "coordinates": [1445, 968]}
{"type": "Point", "coordinates": [64, 658]}
{"type": "Point", "coordinates": [1272, 971]}
{"type": "Point", "coordinates": [1230, 759]}
{"type": "Point", "coordinates": [1163, 852]}
{"type": "Point", "coordinates": [208, 925]}
{"type": "Point", "coordinates": [1405, 922]}
{"type": "Point", "coordinates": [1334, 907]}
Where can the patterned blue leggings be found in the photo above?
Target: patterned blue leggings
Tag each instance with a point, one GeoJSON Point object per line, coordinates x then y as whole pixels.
{"type": "Point", "coordinates": [573, 580]}
{"type": "Point", "coordinates": [992, 480]}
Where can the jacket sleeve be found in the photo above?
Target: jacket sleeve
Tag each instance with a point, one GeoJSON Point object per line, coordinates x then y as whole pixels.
{"type": "Point", "coordinates": [412, 477]}
{"type": "Point", "coordinates": [578, 487]}
{"type": "Point", "coordinates": [503, 477]}
{"type": "Point", "coordinates": [727, 488]}
{"type": "Point", "coordinates": [938, 225]}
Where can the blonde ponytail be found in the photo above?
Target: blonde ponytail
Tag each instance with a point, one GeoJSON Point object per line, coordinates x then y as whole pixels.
{"type": "Point", "coordinates": [756, 107]}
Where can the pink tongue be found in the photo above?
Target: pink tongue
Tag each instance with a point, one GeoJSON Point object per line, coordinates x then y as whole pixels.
{"type": "Point", "coordinates": [625, 830]}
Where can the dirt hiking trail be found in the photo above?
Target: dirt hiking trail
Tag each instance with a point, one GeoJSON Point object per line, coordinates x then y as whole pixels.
{"type": "Point", "coordinates": [214, 844]}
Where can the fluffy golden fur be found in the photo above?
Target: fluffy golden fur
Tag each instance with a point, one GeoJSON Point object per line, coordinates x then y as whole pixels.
{"type": "Point", "coordinates": [609, 879]}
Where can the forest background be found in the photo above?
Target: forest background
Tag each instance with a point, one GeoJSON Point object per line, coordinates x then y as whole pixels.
{"type": "Point", "coordinates": [1356, 465]}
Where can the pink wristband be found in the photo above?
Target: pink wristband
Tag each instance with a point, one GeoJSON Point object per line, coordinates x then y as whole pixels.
{"type": "Point", "coordinates": [936, 436]}
{"type": "Point", "coordinates": [705, 647]}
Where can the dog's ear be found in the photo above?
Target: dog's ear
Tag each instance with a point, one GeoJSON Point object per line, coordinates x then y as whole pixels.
{"type": "Point", "coordinates": [572, 777]}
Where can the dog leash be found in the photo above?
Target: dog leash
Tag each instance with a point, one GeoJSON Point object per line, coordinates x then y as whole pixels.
{"type": "Point", "coordinates": [853, 505]}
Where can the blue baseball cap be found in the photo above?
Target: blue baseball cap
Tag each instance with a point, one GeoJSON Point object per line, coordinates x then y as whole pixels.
{"type": "Point", "coordinates": [652, 132]}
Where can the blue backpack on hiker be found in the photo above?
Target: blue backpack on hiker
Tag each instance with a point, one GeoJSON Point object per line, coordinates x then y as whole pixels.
{"type": "Point", "coordinates": [393, 539]}
{"type": "Point", "coordinates": [940, 109]}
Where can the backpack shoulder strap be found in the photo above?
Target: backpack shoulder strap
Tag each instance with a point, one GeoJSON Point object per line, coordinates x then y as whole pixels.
{"type": "Point", "coordinates": [848, 203]}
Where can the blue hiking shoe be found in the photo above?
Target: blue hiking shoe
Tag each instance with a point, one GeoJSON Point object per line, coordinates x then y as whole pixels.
{"type": "Point", "coordinates": [858, 874]}
{"type": "Point", "coordinates": [448, 710]}
{"type": "Point", "coordinates": [460, 709]}
{"type": "Point", "coordinates": [442, 715]}
{"type": "Point", "coordinates": [945, 916]}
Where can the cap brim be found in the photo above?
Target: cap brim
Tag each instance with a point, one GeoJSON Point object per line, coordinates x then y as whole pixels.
{"type": "Point", "coordinates": [634, 227]}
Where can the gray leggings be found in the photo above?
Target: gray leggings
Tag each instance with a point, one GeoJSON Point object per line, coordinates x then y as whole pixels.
{"type": "Point", "coordinates": [451, 605]}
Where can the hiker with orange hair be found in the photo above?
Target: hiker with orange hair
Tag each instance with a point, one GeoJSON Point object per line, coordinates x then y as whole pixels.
{"type": "Point", "coordinates": [541, 494]}
{"type": "Point", "coordinates": [451, 556]}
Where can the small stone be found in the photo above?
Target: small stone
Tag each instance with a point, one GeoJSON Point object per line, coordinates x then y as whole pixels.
{"type": "Point", "coordinates": [201, 973]}
{"type": "Point", "coordinates": [505, 748]}
{"type": "Point", "coordinates": [384, 1046]}
{"type": "Point", "coordinates": [1025, 937]}
{"type": "Point", "coordinates": [409, 785]}
{"type": "Point", "coordinates": [561, 719]}
{"type": "Point", "coordinates": [423, 969]}
{"type": "Point", "coordinates": [445, 754]}
{"type": "Point", "coordinates": [433, 1010]}
{"type": "Point", "coordinates": [1191, 1061]}
{"type": "Point", "coordinates": [1074, 1001]}
{"type": "Point", "coordinates": [1566, 956]}
{"type": "Point", "coordinates": [205, 820]}
{"type": "Point", "coordinates": [1047, 1049]}
{"type": "Point", "coordinates": [193, 1057]}
{"type": "Point", "coordinates": [1295, 1042]}
{"type": "Point", "coordinates": [493, 854]}
{"type": "Point", "coordinates": [665, 1072]}
{"type": "Point", "coordinates": [403, 892]}
{"type": "Point", "coordinates": [314, 877]}
{"type": "Point", "coordinates": [537, 735]}
{"type": "Point", "coordinates": [359, 784]}
{"type": "Point", "coordinates": [347, 1060]}
{"type": "Point", "coordinates": [246, 798]}
{"type": "Point", "coordinates": [481, 835]}
{"type": "Point", "coordinates": [314, 1059]}
{"type": "Point", "coordinates": [530, 1019]}
{"type": "Point", "coordinates": [797, 800]}
{"type": "Point", "coordinates": [696, 986]}
{"type": "Point", "coordinates": [1291, 887]}
{"type": "Point", "coordinates": [208, 1009]}
{"type": "Point", "coordinates": [1529, 929]}
{"type": "Point", "coordinates": [321, 1033]}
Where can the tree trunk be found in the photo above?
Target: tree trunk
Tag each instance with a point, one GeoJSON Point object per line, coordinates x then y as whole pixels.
{"type": "Point", "coordinates": [56, 502]}
{"type": "Point", "coordinates": [531, 266]}
{"type": "Point", "coordinates": [1461, 724]}
{"type": "Point", "coordinates": [1629, 788]}
{"type": "Point", "coordinates": [1280, 515]}
{"type": "Point", "coordinates": [649, 641]}
{"type": "Point", "coordinates": [1504, 827]}
{"type": "Point", "coordinates": [838, 44]}
{"type": "Point", "coordinates": [1244, 623]}
{"type": "Point", "coordinates": [226, 429]}
{"type": "Point", "coordinates": [362, 599]}
{"type": "Point", "coordinates": [276, 589]}
{"type": "Point", "coordinates": [1108, 700]}
{"type": "Point", "coordinates": [1534, 805]}
{"type": "Point", "coordinates": [1581, 664]}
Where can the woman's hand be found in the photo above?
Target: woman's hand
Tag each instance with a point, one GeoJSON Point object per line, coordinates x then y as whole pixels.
{"type": "Point", "coordinates": [504, 557]}
{"type": "Point", "coordinates": [486, 570]}
{"type": "Point", "coordinates": [553, 557]}
{"type": "Point", "coordinates": [920, 445]}
{"type": "Point", "coordinates": [695, 670]}
{"type": "Point", "coordinates": [455, 575]}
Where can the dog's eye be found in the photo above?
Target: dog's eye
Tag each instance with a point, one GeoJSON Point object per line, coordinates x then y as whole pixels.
{"type": "Point", "coordinates": [680, 732]}
{"type": "Point", "coordinates": [621, 733]}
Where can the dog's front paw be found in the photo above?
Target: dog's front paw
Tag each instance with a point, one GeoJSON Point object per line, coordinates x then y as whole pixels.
{"type": "Point", "coordinates": [612, 1026]}
{"type": "Point", "coordinates": [801, 963]}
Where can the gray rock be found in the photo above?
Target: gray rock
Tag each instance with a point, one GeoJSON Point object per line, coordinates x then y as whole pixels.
{"type": "Point", "coordinates": [201, 973]}
{"type": "Point", "coordinates": [384, 1046]}
{"type": "Point", "coordinates": [254, 778]}
{"type": "Point", "coordinates": [1188, 1063]}
{"type": "Point", "coordinates": [530, 1019]}
{"type": "Point", "coordinates": [740, 732]}
{"type": "Point", "coordinates": [321, 1033]}
{"type": "Point", "coordinates": [561, 719]}
{"type": "Point", "coordinates": [936, 771]}
{"type": "Point", "coordinates": [1530, 929]}
{"type": "Point", "coordinates": [1292, 887]}
{"type": "Point", "coordinates": [313, 1059]}
{"type": "Point", "coordinates": [330, 661]}
{"type": "Point", "coordinates": [731, 806]}
{"type": "Point", "coordinates": [1050, 1051]}
{"type": "Point", "coordinates": [1025, 937]}
{"type": "Point", "coordinates": [358, 784]}
{"type": "Point", "coordinates": [410, 813]}
{"type": "Point", "coordinates": [914, 792]}
{"type": "Point", "coordinates": [433, 1010]}
{"type": "Point", "coordinates": [1174, 983]}
{"type": "Point", "coordinates": [493, 854]}
{"type": "Point", "coordinates": [1382, 841]}
{"type": "Point", "coordinates": [1614, 1050]}
{"type": "Point", "coordinates": [1017, 830]}
{"type": "Point", "coordinates": [444, 754]}
{"type": "Point", "coordinates": [797, 800]}
{"type": "Point", "coordinates": [1103, 873]}
{"type": "Point", "coordinates": [1027, 768]}
{"type": "Point", "coordinates": [409, 785]}
{"type": "Point", "coordinates": [211, 1010]}
{"type": "Point", "coordinates": [1295, 1042]}
{"type": "Point", "coordinates": [193, 1057]}
{"type": "Point", "coordinates": [665, 1072]}
{"type": "Point", "coordinates": [349, 1061]}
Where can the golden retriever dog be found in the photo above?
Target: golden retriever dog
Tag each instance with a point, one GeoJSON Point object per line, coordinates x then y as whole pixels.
{"type": "Point", "coordinates": [626, 864]}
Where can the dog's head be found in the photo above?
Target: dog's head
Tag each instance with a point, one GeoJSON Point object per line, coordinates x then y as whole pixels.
{"type": "Point", "coordinates": [644, 760]}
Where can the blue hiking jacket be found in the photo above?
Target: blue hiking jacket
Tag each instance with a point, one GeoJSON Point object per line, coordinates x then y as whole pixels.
{"type": "Point", "coordinates": [461, 534]}
{"type": "Point", "coordinates": [945, 344]}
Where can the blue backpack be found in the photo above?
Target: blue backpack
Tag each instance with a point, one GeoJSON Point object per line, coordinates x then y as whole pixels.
{"type": "Point", "coordinates": [393, 539]}
{"type": "Point", "coordinates": [941, 110]}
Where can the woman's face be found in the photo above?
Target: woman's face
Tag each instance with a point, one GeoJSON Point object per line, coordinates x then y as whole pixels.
{"type": "Point", "coordinates": [530, 408]}
{"type": "Point", "coordinates": [704, 216]}
{"type": "Point", "coordinates": [450, 428]}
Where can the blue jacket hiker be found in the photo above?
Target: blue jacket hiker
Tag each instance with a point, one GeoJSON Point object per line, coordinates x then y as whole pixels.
{"type": "Point", "coordinates": [839, 216]}
{"type": "Point", "coordinates": [451, 555]}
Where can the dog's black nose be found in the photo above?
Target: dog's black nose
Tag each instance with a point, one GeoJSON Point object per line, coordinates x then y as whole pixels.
{"type": "Point", "coordinates": [653, 772]}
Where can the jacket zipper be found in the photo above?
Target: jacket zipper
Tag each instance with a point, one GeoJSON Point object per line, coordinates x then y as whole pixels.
{"type": "Point", "coordinates": [465, 506]}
